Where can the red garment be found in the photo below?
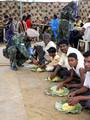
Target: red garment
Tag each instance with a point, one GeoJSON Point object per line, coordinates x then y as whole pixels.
{"type": "Point", "coordinates": [28, 23]}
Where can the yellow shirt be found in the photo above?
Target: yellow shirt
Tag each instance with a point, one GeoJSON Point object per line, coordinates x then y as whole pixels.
{"type": "Point", "coordinates": [54, 62]}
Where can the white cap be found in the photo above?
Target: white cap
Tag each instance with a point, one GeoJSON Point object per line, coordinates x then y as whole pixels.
{"type": "Point", "coordinates": [32, 33]}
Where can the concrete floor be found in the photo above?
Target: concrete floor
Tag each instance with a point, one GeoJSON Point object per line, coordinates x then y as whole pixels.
{"type": "Point", "coordinates": [22, 96]}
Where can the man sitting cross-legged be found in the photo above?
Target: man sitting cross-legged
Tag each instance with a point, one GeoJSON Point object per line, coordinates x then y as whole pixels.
{"type": "Point", "coordinates": [82, 95]}
{"type": "Point", "coordinates": [77, 73]}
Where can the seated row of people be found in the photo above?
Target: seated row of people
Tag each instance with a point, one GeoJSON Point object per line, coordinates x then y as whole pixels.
{"type": "Point", "coordinates": [77, 79]}
{"type": "Point", "coordinates": [74, 68]}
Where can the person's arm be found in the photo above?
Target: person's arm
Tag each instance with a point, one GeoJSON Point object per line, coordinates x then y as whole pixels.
{"type": "Point", "coordinates": [77, 99]}
{"type": "Point", "coordinates": [53, 74]}
{"type": "Point", "coordinates": [44, 65]}
{"type": "Point", "coordinates": [84, 98]}
{"type": "Point", "coordinates": [82, 77]}
{"type": "Point", "coordinates": [69, 78]}
{"type": "Point", "coordinates": [79, 91]}
{"type": "Point", "coordinates": [64, 83]}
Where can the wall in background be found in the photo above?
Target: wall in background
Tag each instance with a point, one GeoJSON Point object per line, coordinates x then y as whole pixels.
{"type": "Point", "coordinates": [84, 9]}
{"type": "Point", "coordinates": [37, 10]}
{"type": "Point", "coordinates": [40, 10]}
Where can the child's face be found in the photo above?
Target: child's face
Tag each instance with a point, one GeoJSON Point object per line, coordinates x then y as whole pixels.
{"type": "Point", "coordinates": [72, 62]}
{"type": "Point", "coordinates": [51, 54]}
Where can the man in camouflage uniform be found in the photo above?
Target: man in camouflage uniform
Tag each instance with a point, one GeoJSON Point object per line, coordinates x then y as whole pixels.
{"type": "Point", "coordinates": [64, 29]}
{"type": "Point", "coordinates": [17, 52]}
{"type": "Point", "coordinates": [66, 21]}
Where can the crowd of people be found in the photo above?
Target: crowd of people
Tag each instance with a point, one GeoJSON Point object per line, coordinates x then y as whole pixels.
{"type": "Point", "coordinates": [60, 56]}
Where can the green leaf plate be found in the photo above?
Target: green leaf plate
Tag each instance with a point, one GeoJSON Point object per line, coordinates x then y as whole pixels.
{"type": "Point", "coordinates": [76, 109]}
{"type": "Point", "coordinates": [53, 92]}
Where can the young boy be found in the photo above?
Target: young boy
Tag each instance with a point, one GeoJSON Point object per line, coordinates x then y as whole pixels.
{"type": "Point", "coordinates": [54, 59]}
{"type": "Point", "coordinates": [82, 95]}
{"type": "Point", "coordinates": [77, 74]}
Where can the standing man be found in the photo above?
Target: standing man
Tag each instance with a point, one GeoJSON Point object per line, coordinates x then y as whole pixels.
{"type": "Point", "coordinates": [54, 24]}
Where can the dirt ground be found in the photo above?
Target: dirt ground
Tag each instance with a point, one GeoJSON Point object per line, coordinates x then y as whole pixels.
{"type": "Point", "coordinates": [22, 96]}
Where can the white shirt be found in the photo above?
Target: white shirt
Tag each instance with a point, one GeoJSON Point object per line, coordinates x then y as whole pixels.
{"type": "Point", "coordinates": [45, 48]}
{"type": "Point", "coordinates": [87, 31]}
{"type": "Point", "coordinates": [86, 25]}
{"type": "Point", "coordinates": [50, 44]}
{"type": "Point", "coordinates": [54, 61]}
{"type": "Point", "coordinates": [64, 59]}
{"type": "Point", "coordinates": [87, 80]}
{"type": "Point", "coordinates": [39, 43]}
{"type": "Point", "coordinates": [77, 70]}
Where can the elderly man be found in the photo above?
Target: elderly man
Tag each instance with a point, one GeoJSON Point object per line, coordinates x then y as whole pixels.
{"type": "Point", "coordinates": [41, 49]}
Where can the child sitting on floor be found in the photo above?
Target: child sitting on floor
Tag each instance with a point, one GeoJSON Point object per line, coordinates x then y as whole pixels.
{"type": "Point", "coordinates": [54, 59]}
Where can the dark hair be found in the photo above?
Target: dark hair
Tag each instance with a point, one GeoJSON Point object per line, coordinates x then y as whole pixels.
{"type": "Point", "coordinates": [77, 17]}
{"type": "Point", "coordinates": [24, 17]}
{"type": "Point", "coordinates": [10, 19]}
{"type": "Point", "coordinates": [74, 55]}
{"type": "Point", "coordinates": [87, 54]}
{"type": "Point", "coordinates": [47, 36]}
{"type": "Point", "coordinates": [63, 42]}
{"type": "Point", "coordinates": [6, 16]}
{"type": "Point", "coordinates": [51, 50]}
{"type": "Point", "coordinates": [45, 28]}
{"type": "Point", "coordinates": [55, 16]}
{"type": "Point", "coordinates": [28, 17]}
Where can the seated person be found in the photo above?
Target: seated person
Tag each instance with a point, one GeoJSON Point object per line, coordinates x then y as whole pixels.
{"type": "Point", "coordinates": [77, 74]}
{"type": "Point", "coordinates": [43, 49]}
{"type": "Point", "coordinates": [48, 42]}
{"type": "Point", "coordinates": [38, 56]}
{"type": "Point", "coordinates": [66, 50]}
{"type": "Point", "coordinates": [54, 59]}
{"type": "Point", "coordinates": [82, 95]}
